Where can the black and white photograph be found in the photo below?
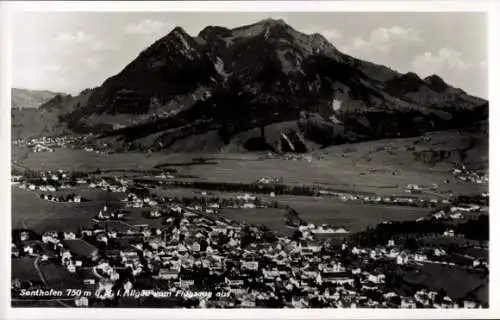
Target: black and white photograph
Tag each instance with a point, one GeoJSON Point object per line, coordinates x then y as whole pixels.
{"type": "Point", "coordinates": [248, 159]}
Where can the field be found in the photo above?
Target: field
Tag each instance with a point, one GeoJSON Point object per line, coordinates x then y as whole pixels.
{"type": "Point", "coordinates": [58, 277]}
{"type": "Point", "coordinates": [29, 211]}
{"type": "Point", "coordinates": [334, 168]}
{"type": "Point", "coordinates": [456, 282]}
{"type": "Point", "coordinates": [24, 269]}
{"type": "Point", "coordinates": [272, 218]}
{"type": "Point", "coordinates": [383, 167]}
{"type": "Point", "coordinates": [353, 216]}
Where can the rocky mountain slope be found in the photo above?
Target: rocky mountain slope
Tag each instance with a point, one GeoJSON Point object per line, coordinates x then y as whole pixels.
{"type": "Point", "coordinates": [264, 86]}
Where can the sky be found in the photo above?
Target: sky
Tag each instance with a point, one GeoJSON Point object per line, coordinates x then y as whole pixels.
{"type": "Point", "coordinates": [71, 51]}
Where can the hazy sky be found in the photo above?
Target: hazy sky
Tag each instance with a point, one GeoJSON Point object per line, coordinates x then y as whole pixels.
{"type": "Point", "coordinates": [72, 51]}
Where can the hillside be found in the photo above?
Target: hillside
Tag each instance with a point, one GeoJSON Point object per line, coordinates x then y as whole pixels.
{"type": "Point", "coordinates": [24, 98]}
{"type": "Point", "coordinates": [260, 87]}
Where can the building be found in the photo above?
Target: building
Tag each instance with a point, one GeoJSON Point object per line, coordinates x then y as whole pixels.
{"type": "Point", "coordinates": [449, 233]}
{"type": "Point", "coordinates": [337, 277]}
{"type": "Point", "coordinates": [402, 258]}
{"type": "Point", "coordinates": [168, 274]}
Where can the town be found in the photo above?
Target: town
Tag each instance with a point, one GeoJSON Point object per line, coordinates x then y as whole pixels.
{"type": "Point", "coordinates": [184, 244]}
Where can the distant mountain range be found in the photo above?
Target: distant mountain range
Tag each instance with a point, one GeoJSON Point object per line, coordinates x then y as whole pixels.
{"type": "Point", "coordinates": [24, 98]}
{"type": "Point", "coordinates": [263, 86]}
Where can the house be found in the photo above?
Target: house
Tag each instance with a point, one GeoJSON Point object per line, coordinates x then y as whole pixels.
{"type": "Point", "coordinates": [129, 253]}
{"type": "Point", "coordinates": [469, 304]}
{"type": "Point", "coordinates": [356, 271]}
{"type": "Point", "coordinates": [81, 302]}
{"type": "Point", "coordinates": [248, 304]}
{"type": "Point", "coordinates": [449, 233]}
{"type": "Point", "coordinates": [248, 205]}
{"type": "Point", "coordinates": [236, 284]}
{"type": "Point", "coordinates": [456, 216]}
{"type": "Point", "coordinates": [377, 279]}
{"type": "Point", "coordinates": [69, 236]}
{"type": "Point", "coordinates": [439, 252]}
{"type": "Point", "coordinates": [101, 237]}
{"type": "Point", "coordinates": [309, 274]}
{"type": "Point", "coordinates": [87, 232]}
{"type": "Point", "coordinates": [250, 265]}
{"type": "Point", "coordinates": [402, 258]}
{"type": "Point", "coordinates": [81, 248]}
{"type": "Point", "coordinates": [186, 283]}
{"type": "Point", "coordinates": [50, 236]}
{"type": "Point", "coordinates": [154, 214]}
{"type": "Point", "coordinates": [390, 243]}
{"type": "Point", "coordinates": [271, 274]}
{"type": "Point", "coordinates": [246, 197]}
{"type": "Point", "coordinates": [29, 249]}
{"type": "Point", "coordinates": [66, 255]}
{"type": "Point", "coordinates": [71, 268]}
{"type": "Point", "coordinates": [419, 257]}
{"type": "Point", "coordinates": [15, 251]}
{"type": "Point", "coordinates": [195, 246]}
{"type": "Point", "coordinates": [337, 277]}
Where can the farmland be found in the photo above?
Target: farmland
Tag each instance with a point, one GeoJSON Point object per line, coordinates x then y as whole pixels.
{"type": "Point", "coordinates": [333, 168]}
{"type": "Point", "coordinates": [272, 218]}
{"type": "Point", "coordinates": [338, 167]}
{"type": "Point", "coordinates": [353, 216]}
{"type": "Point", "coordinates": [24, 268]}
{"type": "Point", "coordinates": [29, 211]}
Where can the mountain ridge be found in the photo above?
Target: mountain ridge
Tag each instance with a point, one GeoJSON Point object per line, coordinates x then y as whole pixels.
{"type": "Point", "coordinates": [28, 98]}
{"type": "Point", "coordinates": [225, 83]}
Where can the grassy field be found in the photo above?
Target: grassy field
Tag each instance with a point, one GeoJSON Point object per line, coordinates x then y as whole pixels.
{"type": "Point", "coordinates": [24, 269]}
{"type": "Point", "coordinates": [58, 277]}
{"type": "Point", "coordinates": [272, 218]}
{"type": "Point", "coordinates": [336, 169]}
{"type": "Point", "coordinates": [353, 216]}
{"type": "Point", "coordinates": [456, 282]}
{"type": "Point", "coordinates": [383, 167]}
{"type": "Point", "coordinates": [29, 211]}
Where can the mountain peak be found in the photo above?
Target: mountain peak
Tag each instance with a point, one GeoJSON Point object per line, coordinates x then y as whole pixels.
{"type": "Point", "coordinates": [436, 83]}
{"type": "Point", "coordinates": [272, 22]}
{"type": "Point", "coordinates": [178, 31]}
{"type": "Point", "coordinates": [229, 81]}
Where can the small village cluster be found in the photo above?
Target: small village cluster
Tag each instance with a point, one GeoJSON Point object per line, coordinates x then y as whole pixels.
{"type": "Point", "coordinates": [48, 144]}
{"type": "Point", "coordinates": [468, 175]}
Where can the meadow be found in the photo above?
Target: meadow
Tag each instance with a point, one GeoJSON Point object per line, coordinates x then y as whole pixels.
{"type": "Point", "coordinates": [381, 167]}
{"type": "Point", "coordinates": [353, 216]}
{"type": "Point", "coordinates": [456, 282]}
{"type": "Point", "coordinates": [334, 168]}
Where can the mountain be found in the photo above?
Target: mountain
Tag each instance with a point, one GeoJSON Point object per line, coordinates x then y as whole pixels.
{"type": "Point", "coordinates": [24, 98]}
{"type": "Point", "coordinates": [263, 86]}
